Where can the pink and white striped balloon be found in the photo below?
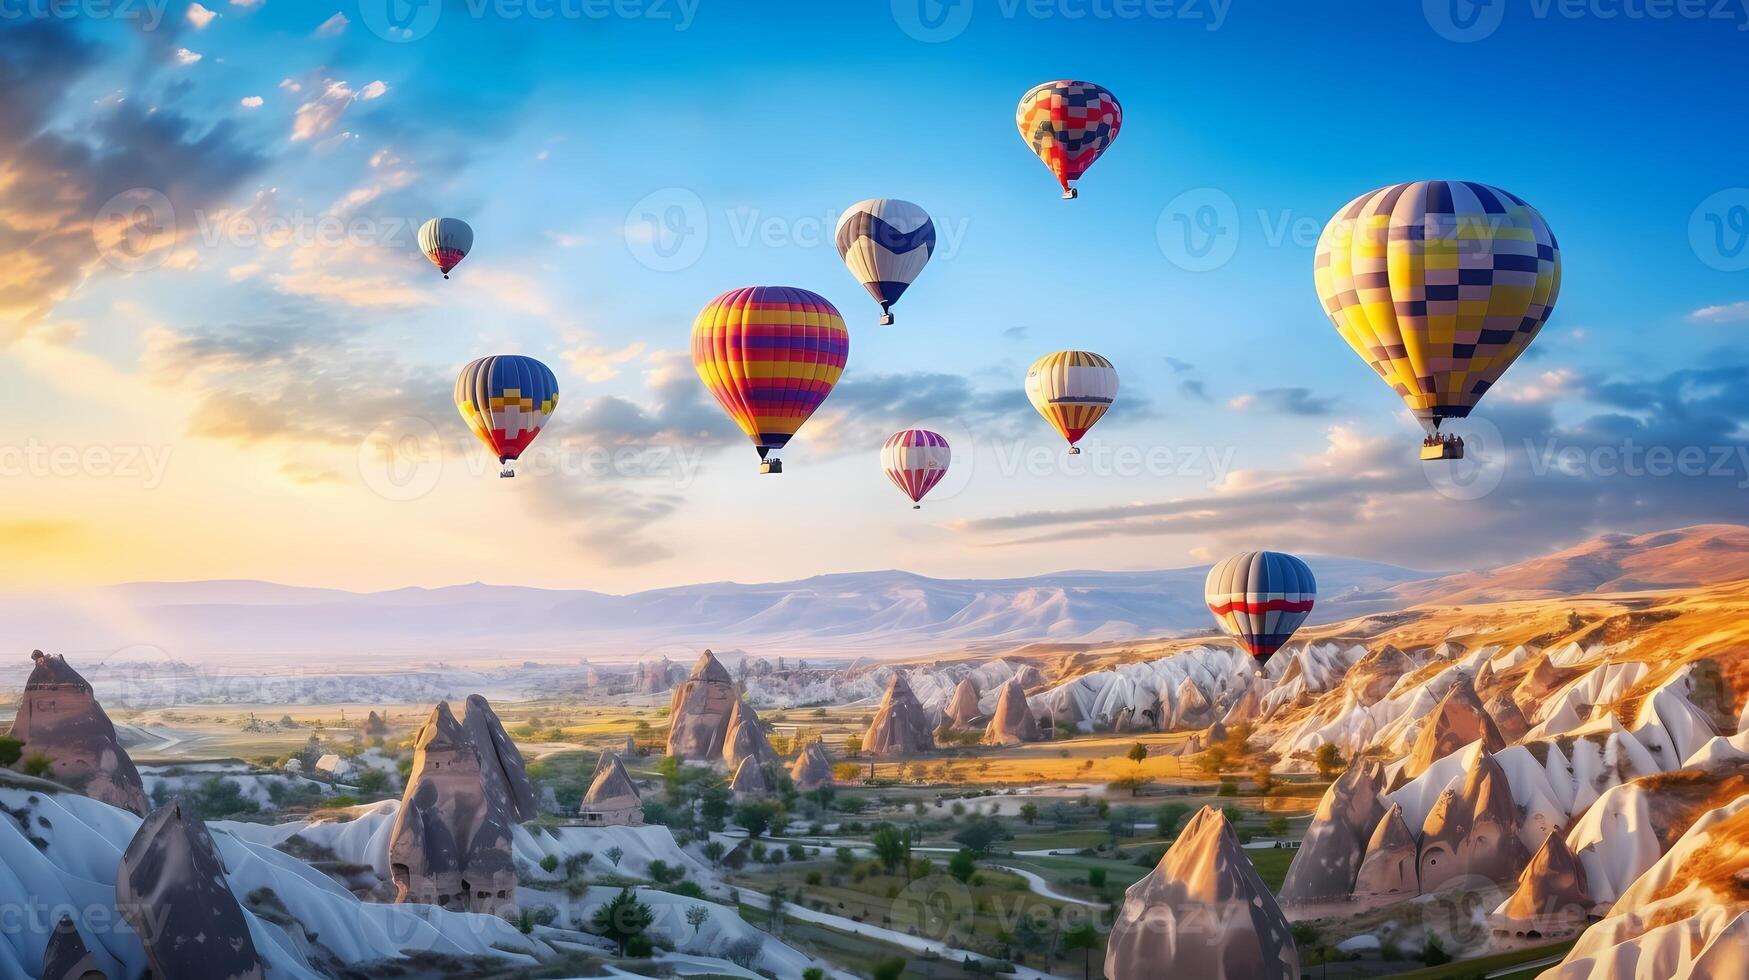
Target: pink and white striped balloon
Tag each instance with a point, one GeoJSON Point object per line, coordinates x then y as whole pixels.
{"type": "Point", "coordinates": [915, 460]}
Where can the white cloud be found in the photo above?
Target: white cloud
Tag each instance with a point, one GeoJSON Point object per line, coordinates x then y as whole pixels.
{"type": "Point", "coordinates": [600, 363]}
{"type": "Point", "coordinates": [320, 114]}
{"type": "Point", "coordinates": [246, 4]}
{"type": "Point", "coordinates": [1728, 313]}
{"type": "Point", "coordinates": [333, 26]}
{"type": "Point", "coordinates": [186, 57]}
{"type": "Point", "coordinates": [250, 101]}
{"type": "Point", "coordinates": [199, 16]}
{"type": "Point", "coordinates": [566, 239]}
{"type": "Point", "coordinates": [290, 86]}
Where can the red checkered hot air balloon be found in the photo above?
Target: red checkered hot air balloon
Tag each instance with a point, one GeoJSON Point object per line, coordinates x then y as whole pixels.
{"type": "Point", "coordinates": [1068, 124]}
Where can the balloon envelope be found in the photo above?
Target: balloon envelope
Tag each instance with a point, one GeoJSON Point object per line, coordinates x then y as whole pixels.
{"type": "Point", "coordinates": [1072, 389]}
{"type": "Point", "coordinates": [885, 242]}
{"type": "Point", "coordinates": [446, 241]}
{"type": "Point", "coordinates": [915, 460]}
{"type": "Point", "coordinates": [506, 399]}
{"type": "Point", "coordinates": [1439, 285]}
{"type": "Point", "coordinates": [1068, 124]}
{"type": "Point", "coordinates": [1260, 598]}
{"type": "Point", "coordinates": [769, 355]}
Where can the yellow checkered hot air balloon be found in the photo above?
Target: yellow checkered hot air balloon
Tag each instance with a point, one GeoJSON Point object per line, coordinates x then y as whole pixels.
{"type": "Point", "coordinates": [1072, 389]}
{"type": "Point", "coordinates": [1439, 285]}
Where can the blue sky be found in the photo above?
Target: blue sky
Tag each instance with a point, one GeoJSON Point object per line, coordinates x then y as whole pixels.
{"type": "Point", "coordinates": [263, 373]}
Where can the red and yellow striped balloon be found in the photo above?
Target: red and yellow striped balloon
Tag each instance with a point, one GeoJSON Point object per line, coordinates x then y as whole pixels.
{"type": "Point", "coordinates": [770, 355]}
{"type": "Point", "coordinates": [1072, 389]}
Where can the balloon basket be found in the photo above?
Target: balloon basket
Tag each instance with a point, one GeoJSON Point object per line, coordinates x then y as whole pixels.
{"type": "Point", "coordinates": [1071, 193]}
{"type": "Point", "coordinates": [1074, 450]}
{"type": "Point", "coordinates": [1444, 450]}
{"type": "Point", "coordinates": [771, 466]}
{"type": "Point", "coordinates": [886, 319]}
{"type": "Point", "coordinates": [506, 473]}
{"type": "Point", "coordinates": [916, 506]}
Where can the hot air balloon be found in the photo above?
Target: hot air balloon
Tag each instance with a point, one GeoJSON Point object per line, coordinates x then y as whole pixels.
{"type": "Point", "coordinates": [446, 241]}
{"type": "Point", "coordinates": [1072, 389]}
{"type": "Point", "coordinates": [1439, 285]}
{"type": "Point", "coordinates": [915, 460]}
{"type": "Point", "coordinates": [505, 399]}
{"type": "Point", "coordinates": [1259, 598]}
{"type": "Point", "coordinates": [770, 355]}
{"type": "Point", "coordinates": [1068, 124]}
{"type": "Point", "coordinates": [886, 242]}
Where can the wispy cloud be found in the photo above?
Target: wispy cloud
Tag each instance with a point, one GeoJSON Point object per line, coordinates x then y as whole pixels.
{"type": "Point", "coordinates": [333, 26]}
{"type": "Point", "coordinates": [1737, 312]}
{"type": "Point", "coordinates": [1284, 401]}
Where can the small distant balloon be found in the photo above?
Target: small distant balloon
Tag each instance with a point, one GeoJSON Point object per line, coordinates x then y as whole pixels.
{"type": "Point", "coordinates": [1072, 389]}
{"type": "Point", "coordinates": [915, 460]}
{"type": "Point", "coordinates": [506, 399]}
{"type": "Point", "coordinates": [446, 241]}
{"type": "Point", "coordinates": [885, 242]}
{"type": "Point", "coordinates": [1068, 124]}
{"type": "Point", "coordinates": [1260, 598]}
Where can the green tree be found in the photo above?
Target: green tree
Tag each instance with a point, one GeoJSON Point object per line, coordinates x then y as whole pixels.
{"type": "Point", "coordinates": [713, 851]}
{"type": "Point", "coordinates": [888, 969]}
{"type": "Point", "coordinates": [1096, 878]}
{"type": "Point", "coordinates": [979, 834]}
{"type": "Point", "coordinates": [1137, 753]}
{"type": "Point", "coordinates": [1329, 760]}
{"type": "Point", "coordinates": [890, 846]}
{"type": "Point", "coordinates": [38, 765]}
{"type": "Point", "coordinates": [1277, 826]}
{"type": "Point", "coordinates": [962, 865]}
{"type": "Point", "coordinates": [758, 816]}
{"type": "Point", "coordinates": [853, 746]}
{"type": "Point", "coordinates": [623, 919]}
{"type": "Point", "coordinates": [614, 854]}
{"type": "Point", "coordinates": [1167, 817]}
{"type": "Point", "coordinates": [813, 973]}
{"type": "Point", "coordinates": [1082, 937]}
{"type": "Point", "coordinates": [11, 749]}
{"type": "Point", "coordinates": [1029, 813]}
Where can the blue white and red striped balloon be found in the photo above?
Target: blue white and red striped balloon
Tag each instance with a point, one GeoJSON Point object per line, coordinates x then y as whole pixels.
{"type": "Point", "coordinates": [915, 460]}
{"type": "Point", "coordinates": [1260, 598]}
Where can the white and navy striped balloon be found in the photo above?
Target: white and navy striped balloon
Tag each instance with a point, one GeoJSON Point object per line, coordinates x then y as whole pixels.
{"type": "Point", "coordinates": [1260, 598]}
{"type": "Point", "coordinates": [915, 460]}
{"type": "Point", "coordinates": [885, 242]}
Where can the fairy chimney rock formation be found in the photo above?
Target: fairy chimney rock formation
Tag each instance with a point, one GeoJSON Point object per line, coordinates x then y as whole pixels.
{"type": "Point", "coordinates": [1552, 898]}
{"type": "Point", "coordinates": [611, 800]}
{"type": "Point", "coordinates": [962, 706]}
{"type": "Point", "coordinates": [1325, 866]}
{"type": "Point", "coordinates": [501, 765]}
{"type": "Point", "coordinates": [1195, 710]}
{"type": "Point", "coordinates": [1203, 912]}
{"type": "Point", "coordinates": [450, 845]}
{"type": "Point", "coordinates": [698, 713]}
{"type": "Point", "coordinates": [744, 738]}
{"type": "Point", "coordinates": [66, 956]}
{"type": "Point", "coordinates": [1373, 676]}
{"type": "Point", "coordinates": [812, 768]}
{"type": "Point", "coordinates": [1390, 866]}
{"type": "Point", "coordinates": [1508, 718]}
{"type": "Point", "coordinates": [171, 889]}
{"type": "Point", "coordinates": [1246, 708]}
{"type": "Point", "coordinates": [654, 676]}
{"type": "Point", "coordinates": [1473, 831]}
{"type": "Point", "coordinates": [1541, 680]}
{"type": "Point", "coordinates": [60, 720]}
{"type": "Point", "coordinates": [1458, 720]}
{"type": "Point", "coordinates": [1012, 721]}
{"type": "Point", "coordinates": [750, 780]}
{"type": "Point", "coordinates": [900, 725]}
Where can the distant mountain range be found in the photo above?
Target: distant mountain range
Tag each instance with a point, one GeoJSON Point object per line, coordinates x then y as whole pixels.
{"type": "Point", "coordinates": [878, 612]}
{"type": "Point", "coordinates": [853, 613]}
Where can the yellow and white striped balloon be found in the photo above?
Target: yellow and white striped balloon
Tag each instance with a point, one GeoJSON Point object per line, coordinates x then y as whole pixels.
{"type": "Point", "coordinates": [1072, 389]}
